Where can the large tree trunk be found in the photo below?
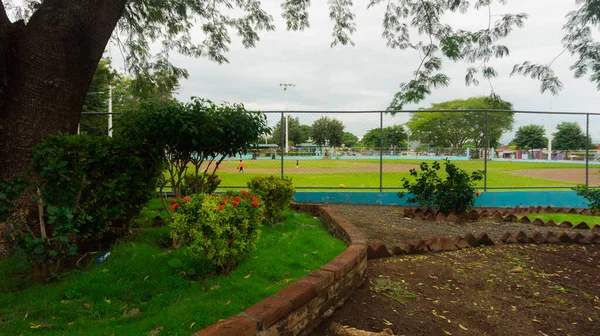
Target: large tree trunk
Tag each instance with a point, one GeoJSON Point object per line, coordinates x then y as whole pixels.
{"type": "Point", "coordinates": [46, 67]}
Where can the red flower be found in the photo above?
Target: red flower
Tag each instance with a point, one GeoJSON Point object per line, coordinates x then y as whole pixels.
{"type": "Point", "coordinates": [259, 179]}
{"type": "Point", "coordinates": [224, 201]}
{"type": "Point", "coordinates": [237, 199]}
{"type": "Point", "coordinates": [244, 192]}
{"type": "Point", "coordinates": [255, 204]}
{"type": "Point", "coordinates": [172, 202]}
{"type": "Point", "coordinates": [235, 203]}
{"type": "Point", "coordinates": [227, 196]}
{"type": "Point", "coordinates": [206, 240]}
{"type": "Point", "coordinates": [187, 199]}
{"type": "Point", "coordinates": [228, 241]}
{"type": "Point", "coordinates": [221, 208]}
{"type": "Point", "coordinates": [254, 198]}
{"type": "Point", "coordinates": [175, 206]}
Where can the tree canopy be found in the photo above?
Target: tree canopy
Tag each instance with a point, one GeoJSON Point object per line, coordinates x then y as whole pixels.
{"type": "Point", "coordinates": [298, 133]}
{"type": "Point", "coordinates": [569, 136]}
{"type": "Point", "coordinates": [327, 131]}
{"type": "Point", "coordinates": [530, 137]}
{"type": "Point", "coordinates": [349, 139]}
{"type": "Point", "coordinates": [392, 136]}
{"type": "Point", "coordinates": [455, 129]}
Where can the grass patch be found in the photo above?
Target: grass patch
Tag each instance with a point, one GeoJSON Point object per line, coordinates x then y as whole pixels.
{"type": "Point", "coordinates": [135, 291]}
{"type": "Point", "coordinates": [562, 217]}
{"type": "Point", "coordinates": [153, 208]}
{"type": "Point", "coordinates": [394, 290]}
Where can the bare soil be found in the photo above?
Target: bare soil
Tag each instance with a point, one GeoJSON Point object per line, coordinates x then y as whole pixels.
{"type": "Point", "coordinates": [499, 290]}
{"type": "Point", "coordinates": [572, 175]}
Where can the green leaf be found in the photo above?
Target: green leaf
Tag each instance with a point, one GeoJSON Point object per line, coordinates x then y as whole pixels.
{"type": "Point", "coordinates": [175, 263]}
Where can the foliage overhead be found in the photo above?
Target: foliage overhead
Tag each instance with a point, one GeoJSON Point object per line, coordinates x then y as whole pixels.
{"type": "Point", "coordinates": [530, 137]}
{"type": "Point", "coordinates": [407, 24]}
{"type": "Point", "coordinates": [327, 131]}
{"type": "Point", "coordinates": [455, 129]}
{"type": "Point", "coordinates": [569, 136]}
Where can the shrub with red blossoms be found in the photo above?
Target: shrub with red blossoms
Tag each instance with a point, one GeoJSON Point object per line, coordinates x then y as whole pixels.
{"type": "Point", "coordinates": [221, 228]}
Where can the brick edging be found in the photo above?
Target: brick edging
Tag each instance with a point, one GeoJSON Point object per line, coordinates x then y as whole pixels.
{"type": "Point", "coordinates": [437, 244]}
{"type": "Point", "coordinates": [301, 306]}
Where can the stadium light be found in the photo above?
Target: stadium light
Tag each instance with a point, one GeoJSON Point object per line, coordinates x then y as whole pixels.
{"type": "Point", "coordinates": [285, 87]}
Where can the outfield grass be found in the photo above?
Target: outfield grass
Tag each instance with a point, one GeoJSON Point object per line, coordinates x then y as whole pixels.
{"type": "Point", "coordinates": [561, 217]}
{"type": "Point", "coordinates": [100, 299]}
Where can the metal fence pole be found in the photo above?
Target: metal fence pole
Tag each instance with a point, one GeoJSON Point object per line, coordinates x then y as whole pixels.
{"type": "Point", "coordinates": [380, 151]}
{"type": "Point", "coordinates": [282, 141]}
{"type": "Point", "coordinates": [486, 145]}
{"type": "Point", "coordinates": [587, 150]}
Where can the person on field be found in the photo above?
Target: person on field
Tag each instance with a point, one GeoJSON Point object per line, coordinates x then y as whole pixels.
{"type": "Point", "coordinates": [297, 163]}
{"type": "Point", "coordinates": [241, 166]}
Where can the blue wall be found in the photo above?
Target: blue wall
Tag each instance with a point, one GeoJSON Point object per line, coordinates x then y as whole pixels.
{"type": "Point", "coordinates": [488, 199]}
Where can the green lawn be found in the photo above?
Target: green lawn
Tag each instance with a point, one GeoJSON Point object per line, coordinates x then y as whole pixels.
{"type": "Point", "coordinates": [561, 217]}
{"type": "Point", "coordinates": [99, 299]}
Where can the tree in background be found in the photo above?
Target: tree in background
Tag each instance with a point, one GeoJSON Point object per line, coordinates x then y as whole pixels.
{"type": "Point", "coordinates": [327, 131]}
{"type": "Point", "coordinates": [392, 136]}
{"type": "Point", "coordinates": [96, 100]}
{"type": "Point", "coordinates": [569, 137]}
{"type": "Point", "coordinates": [444, 129]}
{"type": "Point", "coordinates": [349, 140]}
{"type": "Point", "coordinates": [530, 137]}
{"type": "Point", "coordinates": [298, 133]}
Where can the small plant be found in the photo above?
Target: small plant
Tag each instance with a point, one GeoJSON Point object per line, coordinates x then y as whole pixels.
{"type": "Point", "coordinates": [200, 184]}
{"type": "Point", "coordinates": [221, 228]}
{"type": "Point", "coordinates": [394, 290]}
{"type": "Point", "coordinates": [591, 195]}
{"type": "Point", "coordinates": [276, 193]}
{"type": "Point", "coordinates": [454, 193]}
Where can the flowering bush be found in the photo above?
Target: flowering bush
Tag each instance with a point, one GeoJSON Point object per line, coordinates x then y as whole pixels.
{"type": "Point", "coordinates": [276, 193]}
{"type": "Point", "coordinates": [200, 184]}
{"type": "Point", "coordinates": [221, 228]}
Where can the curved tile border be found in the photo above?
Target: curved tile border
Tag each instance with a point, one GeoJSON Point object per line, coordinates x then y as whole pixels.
{"type": "Point", "coordinates": [300, 307]}
{"type": "Point", "coordinates": [508, 215]}
{"type": "Point", "coordinates": [435, 244]}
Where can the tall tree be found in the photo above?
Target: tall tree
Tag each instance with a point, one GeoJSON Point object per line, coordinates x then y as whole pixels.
{"type": "Point", "coordinates": [455, 129]}
{"type": "Point", "coordinates": [50, 49]}
{"type": "Point", "coordinates": [569, 136]}
{"type": "Point", "coordinates": [349, 139]}
{"type": "Point", "coordinates": [297, 132]}
{"type": "Point", "coordinates": [327, 131]}
{"type": "Point", "coordinates": [392, 136]}
{"type": "Point", "coordinates": [530, 137]}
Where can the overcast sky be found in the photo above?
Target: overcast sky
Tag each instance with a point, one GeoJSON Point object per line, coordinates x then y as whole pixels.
{"type": "Point", "coordinates": [366, 76]}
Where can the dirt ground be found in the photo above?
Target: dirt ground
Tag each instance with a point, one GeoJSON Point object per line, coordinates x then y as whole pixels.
{"type": "Point", "coordinates": [576, 175]}
{"type": "Point", "coordinates": [499, 290]}
{"type": "Point", "coordinates": [305, 167]}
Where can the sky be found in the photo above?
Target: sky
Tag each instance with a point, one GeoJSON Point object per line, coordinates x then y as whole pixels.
{"type": "Point", "coordinates": [366, 76]}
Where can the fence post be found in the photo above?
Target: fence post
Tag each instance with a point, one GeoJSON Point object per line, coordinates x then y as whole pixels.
{"type": "Point", "coordinates": [486, 145]}
{"type": "Point", "coordinates": [381, 151]}
{"type": "Point", "coordinates": [282, 141]}
{"type": "Point", "coordinates": [587, 150]}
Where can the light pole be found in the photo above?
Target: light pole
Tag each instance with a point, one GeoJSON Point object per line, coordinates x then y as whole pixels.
{"type": "Point", "coordinates": [285, 87]}
{"type": "Point", "coordinates": [110, 116]}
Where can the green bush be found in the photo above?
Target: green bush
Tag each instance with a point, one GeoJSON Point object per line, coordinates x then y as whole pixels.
{"type": "Point", "coordinates": [221, 228]}
{"type": "Point", "coordinates": [84, 185]}
{"type": "Point", "coordinates": [200, 184]}
{"type": "Point", "coordinates": [276, 193]}
{"type": "Point", "coordinates": [454, 193]}
{"type": "Point", "coordinates": [592, 195]}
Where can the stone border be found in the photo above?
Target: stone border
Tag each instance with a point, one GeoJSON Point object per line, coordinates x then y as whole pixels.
{"type": "Point", "coordinates": [503, 215]}
{"type": "Point", "coordinates": [436, 244]}
{"type": "Point", "coordinates": [302, 306]}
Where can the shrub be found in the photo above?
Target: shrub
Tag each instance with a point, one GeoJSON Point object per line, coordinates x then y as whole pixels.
{"type": "Point", "coordinates": [455, 193]}
{"type": "Point", "coordinates": [200, 184]}
{"type": "Point", "coordinates": [591, 195]}
{"type": "Point", "coordinates": [84, 184]}
{"type": "Point", "coordinates": [276, 193]}
{"type": "Point", "coordinates": [10, 191]}
{"type": "Point", "coordinates": [221, 228]}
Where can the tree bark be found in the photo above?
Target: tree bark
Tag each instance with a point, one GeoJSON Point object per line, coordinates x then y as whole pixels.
{"type": "Point", "coordinates": [46, 67]}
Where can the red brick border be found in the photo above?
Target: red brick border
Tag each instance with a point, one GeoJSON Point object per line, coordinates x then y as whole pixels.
{"type": "Point", "coordinates": [300, 307]}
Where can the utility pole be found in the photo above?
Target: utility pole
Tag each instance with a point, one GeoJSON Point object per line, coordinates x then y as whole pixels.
{"type": "Point", "coordinates": [550, 132]}
{"type": "Point", "coordinates": [110, 116]}
{"type": "Point", "coordinates": [285, 87]}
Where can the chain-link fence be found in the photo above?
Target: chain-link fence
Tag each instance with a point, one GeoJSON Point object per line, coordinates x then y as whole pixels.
{"type": "Point", "coordinates": [373, 150]}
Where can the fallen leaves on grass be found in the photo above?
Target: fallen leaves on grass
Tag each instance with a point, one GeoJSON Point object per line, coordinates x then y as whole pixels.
{"type": "Point", "coordinates": [393, 290]}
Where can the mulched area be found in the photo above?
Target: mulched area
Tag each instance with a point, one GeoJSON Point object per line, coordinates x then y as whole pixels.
{"type": "Point", "coordinates": [387, 224]}
{"type": "Point", "coordinates": [500, 290]}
